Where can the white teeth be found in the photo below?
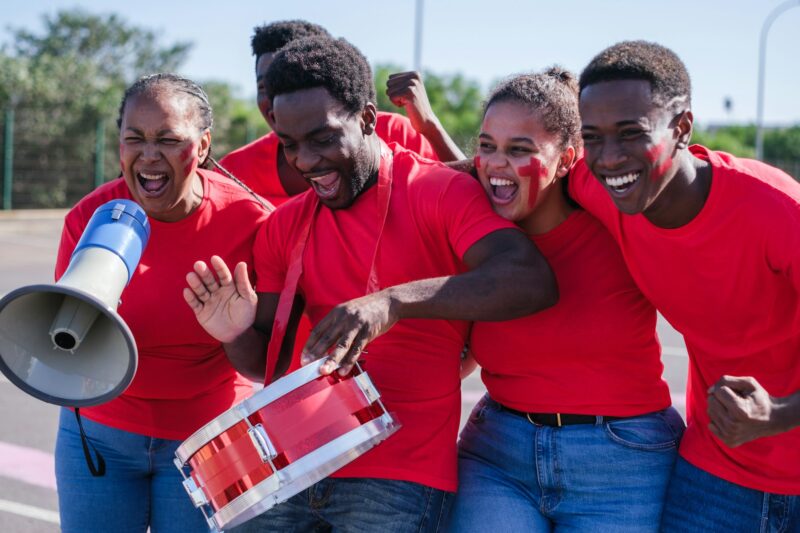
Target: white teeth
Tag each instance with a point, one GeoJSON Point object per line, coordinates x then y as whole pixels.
{"type": "Point", "coordinates": [619, 181]}
{"type": "Point", "coordinates": [152, 176]}
{"type": "Point", "coordinates": [500, 182]}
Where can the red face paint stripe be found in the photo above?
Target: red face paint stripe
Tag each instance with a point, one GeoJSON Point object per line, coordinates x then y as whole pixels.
{"type": "Point", "coordinates": [653, 155]}
{"type": "Point", "coordinates": [536, 171]}
{"type": "Point", "coordinates": [188, 155]}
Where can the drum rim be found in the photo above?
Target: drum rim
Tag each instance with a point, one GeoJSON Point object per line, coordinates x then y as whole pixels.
{"type": "Point", "coordinates": [247, 407]}
{"type": "Point", "coordinates": [332, 455]}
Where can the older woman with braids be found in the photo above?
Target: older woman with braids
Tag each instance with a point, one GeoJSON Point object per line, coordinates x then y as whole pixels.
{"type": "Point", "coordinates": [183, 378]}
{"type": "Point", "coordinates": [576, 432]}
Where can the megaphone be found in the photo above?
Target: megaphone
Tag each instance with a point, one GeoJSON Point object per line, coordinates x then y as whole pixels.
{"type": "Point", "coordinates": [65, 343]}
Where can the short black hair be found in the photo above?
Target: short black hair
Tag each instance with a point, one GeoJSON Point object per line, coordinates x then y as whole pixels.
{"type": "Point", "coordinates": [643, 60]}
{"type": "Point", "coordinates": [333, 64]}
{"type": "Point", "coordinates": [553, 92]}
{"type": "Point", "coordinates": [269, 38]}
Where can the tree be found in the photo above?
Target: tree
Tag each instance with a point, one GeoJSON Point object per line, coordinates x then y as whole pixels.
{"type": "Point", "coordinates": [236, 121]}
{"type": "Point", "coordinates": [119, 52]}
{"type": "Point", "coordinates": [455, 99]}
{"type": "Point", "coordinates": [64, 82]}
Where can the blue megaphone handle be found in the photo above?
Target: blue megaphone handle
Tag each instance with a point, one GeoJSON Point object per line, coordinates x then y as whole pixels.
{"type": "Point", "coordinates": [120, 226]}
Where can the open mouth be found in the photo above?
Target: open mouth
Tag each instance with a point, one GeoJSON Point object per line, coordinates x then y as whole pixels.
{"type": "Point", "coordinates": [621, 185]}
{"type": "Point", "coordinates": [326, 185]}
{"type": "Point", "coordinates": [152, 184]}
{"type": "Point", "coordinates": [503, 190]}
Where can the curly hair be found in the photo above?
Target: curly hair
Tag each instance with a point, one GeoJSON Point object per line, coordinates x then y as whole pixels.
{"type": "Point", "coordinates": [553, 92]}
{"type": "Point", "coordinates": [269, 38]}
{"type": "Point", "coordinates": [155, 83]}
{"type": "Point", "coordinates": [643, 60]}
{"type": "Point", "coordinates": [333, 64]}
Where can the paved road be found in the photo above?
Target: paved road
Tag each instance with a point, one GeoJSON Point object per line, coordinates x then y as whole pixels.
{"type": "Point", "coordinates": [27, 435]}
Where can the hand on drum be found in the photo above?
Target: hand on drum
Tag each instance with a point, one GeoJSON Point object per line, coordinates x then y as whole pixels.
{"type": "Point", "coordinates": [347, 329]}
{"type": "Point", "coordinates": [224, 304]}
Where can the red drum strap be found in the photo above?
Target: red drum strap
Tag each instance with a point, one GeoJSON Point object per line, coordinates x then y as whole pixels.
{"type": "Point", "coordinates": [295, 269]}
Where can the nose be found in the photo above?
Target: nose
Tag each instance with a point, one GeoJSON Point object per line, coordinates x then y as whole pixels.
{"type": "Point", "coordinates": [305, 158]}
{"type": "Point", "coordinates": [610, 155]}
{"type": "Point", "coordinates": [495, 160]}
{"type": "Point", "coordinates": [151, 152]}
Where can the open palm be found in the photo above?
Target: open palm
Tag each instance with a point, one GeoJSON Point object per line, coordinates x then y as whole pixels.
{"type": "Point", "coordinates": [224, 304]}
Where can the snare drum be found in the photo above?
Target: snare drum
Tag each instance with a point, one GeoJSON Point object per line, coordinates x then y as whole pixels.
{"type": "Point", "coordinates": [281, 440]}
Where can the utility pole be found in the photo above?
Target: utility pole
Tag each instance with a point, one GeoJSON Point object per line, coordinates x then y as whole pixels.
{"type": "Point", "coordinates": [762, 56]}
{"type": "Point", "coordinates": [418, 35]}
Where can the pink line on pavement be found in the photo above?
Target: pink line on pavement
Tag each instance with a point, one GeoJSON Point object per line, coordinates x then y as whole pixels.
{"type": "Point", "coordinates": [28, 465]}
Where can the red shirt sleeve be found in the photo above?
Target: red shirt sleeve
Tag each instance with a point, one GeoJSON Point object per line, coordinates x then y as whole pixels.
{"type": "Point", "coordinates": [395, 128]}
{"type": "Point", "coordinates": [74, 225]}
{"type": "Point", "coordinates": [458, 202]}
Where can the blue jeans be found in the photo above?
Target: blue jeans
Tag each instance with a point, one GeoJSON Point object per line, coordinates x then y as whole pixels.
{"type": "Point", "coordinates": [698, 501]}
{"type": "Point", "coordinates": [608, 476]}
{"type": "Point", "coordinates": [348, 505]}
{"type": "Point", "coordinates": [141, 487]}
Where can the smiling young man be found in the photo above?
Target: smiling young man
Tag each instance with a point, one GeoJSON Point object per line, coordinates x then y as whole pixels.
{"type": "Point", "coordinates": [714, 242]}
{"type": "Point", "coordinates": [262, 164]}
{"type": "Point", "coordinates": [397, 252]}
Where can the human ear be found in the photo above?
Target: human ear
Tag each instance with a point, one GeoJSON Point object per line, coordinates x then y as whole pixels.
{"type": "Point", "coordinates": [683, 129]}
{"type": "Point", "coordinates": [565, 161]}
{"type": "Point", "coordinates": [369, 119]}
{"type": "Point", "coordinates": [205, 145]}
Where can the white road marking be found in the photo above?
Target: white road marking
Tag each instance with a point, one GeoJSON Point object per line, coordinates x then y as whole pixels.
{"type": "Point", "coordinates": [29, 511]}
{"type": "Point", "coordinates": [28, 465]}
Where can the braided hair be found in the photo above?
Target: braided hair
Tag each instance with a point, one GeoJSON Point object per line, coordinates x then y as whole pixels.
{"type": "Point", "coordinates": [153, 83]}
{"type": "Point", "coordinates": [165, 81]}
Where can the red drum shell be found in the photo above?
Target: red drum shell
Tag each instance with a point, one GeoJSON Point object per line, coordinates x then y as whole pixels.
{"type": "Point", "coordinates": [296, 423]}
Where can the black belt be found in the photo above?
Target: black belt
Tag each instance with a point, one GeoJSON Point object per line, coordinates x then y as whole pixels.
{"type": "Point", "coordinates": [558, 419]}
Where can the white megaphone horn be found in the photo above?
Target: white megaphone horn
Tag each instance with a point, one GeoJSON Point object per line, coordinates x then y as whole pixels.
{"type": "Point", "coordinates": [65, 343]}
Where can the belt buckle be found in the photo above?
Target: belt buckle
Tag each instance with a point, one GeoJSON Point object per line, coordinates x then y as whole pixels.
{"type": "Point", "coordinates": [558, 420]}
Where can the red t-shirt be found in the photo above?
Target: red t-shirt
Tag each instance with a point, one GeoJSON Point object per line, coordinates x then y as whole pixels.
{"type": "Point", "coordinates": [728, 280]}
{"type": "Point", "coordinates": [183, 379]}
{"type": "Point", "coordinates": [256, 163]}
{"type": "Point", "coordinates": [594, 352]}
{"type": "Point", "coordinates": [435, 215]}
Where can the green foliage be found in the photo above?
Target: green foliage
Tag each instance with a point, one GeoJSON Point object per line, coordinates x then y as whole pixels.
{"type": "Point", "coordinates": [456, 100]}
{"type": "Point", "coordinates": [736, 140]}
{"type": "Point", "coordinates": [119, 52]}
{"type": "Point", "coordinates": [781, 145]}
{"type": "Point", "coordinates": [61, 83]}
{"type": "Point", "coordinates": [236, 121]}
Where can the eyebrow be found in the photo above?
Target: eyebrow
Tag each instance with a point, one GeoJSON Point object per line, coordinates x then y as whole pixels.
{"type": "Point", "coordinates": [617, 124]}
{"type": "Point", "coordinates": [311, 133]}
{"type": "Point", "coordinates": [158, 133]}
{"type": "Point", "coordinates": [526, 140]}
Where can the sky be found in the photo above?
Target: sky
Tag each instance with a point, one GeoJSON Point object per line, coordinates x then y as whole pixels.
{"type": "Point", "coordinates": [486, 41]}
